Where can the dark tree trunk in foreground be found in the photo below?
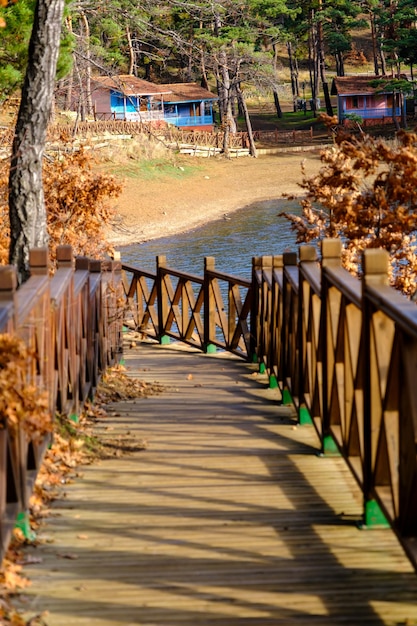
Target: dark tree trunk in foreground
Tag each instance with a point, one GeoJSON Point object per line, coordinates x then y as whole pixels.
{"type": "Point", "coordinates": [26, 200]}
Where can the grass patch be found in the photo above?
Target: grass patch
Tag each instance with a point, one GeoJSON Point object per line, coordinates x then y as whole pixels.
{"type": "Point", "coordinates": [153, 169]}
{"type": "Point", "coordinates": [297, 120]}
{"type": "Point", "coordinates": [289, 121]}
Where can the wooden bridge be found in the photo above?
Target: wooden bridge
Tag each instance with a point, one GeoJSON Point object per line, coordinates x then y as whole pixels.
{"type": "Point", "coordinates": [288, 422]}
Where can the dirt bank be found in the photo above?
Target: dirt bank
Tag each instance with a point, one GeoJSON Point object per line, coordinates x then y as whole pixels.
{"type": "Point", "coordinates": [148, 209]}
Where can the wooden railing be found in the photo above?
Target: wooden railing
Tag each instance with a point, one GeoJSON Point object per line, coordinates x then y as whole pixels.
{"type": "Point", "coordinates": [342, 350]}
{"type": "Point", "coordinates": [72, 324]}
{"type": "Point", "coordinates": [205, 312]}
{"type": "Point", "coordinates": [177, 136]}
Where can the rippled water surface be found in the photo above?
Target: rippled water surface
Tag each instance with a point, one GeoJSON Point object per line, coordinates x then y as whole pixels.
{"type": "Point", "coordinates": [233, 241]}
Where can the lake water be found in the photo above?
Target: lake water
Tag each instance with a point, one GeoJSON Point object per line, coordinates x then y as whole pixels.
{"type": "Point", "coordinates": [255, 230]}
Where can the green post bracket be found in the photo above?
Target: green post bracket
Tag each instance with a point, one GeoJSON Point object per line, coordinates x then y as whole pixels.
{"type": "Point", "coordinates": [210, 348]}
{"type": "Point", "coordinates": [273, 383]}
{"type": "Point", "coordinates": [286, 397]}
{"type": "Point", "coordinates": [254, 358]}
{"type": "Point", "coordinates": [164, 340]}
{"type": "Point", "coordinates": [23, 524]}
{"type": "Point", "coordinates": [373, 516]}
{"type": "Point", "coordinates": [304, 416]}
{"type": "Point", "coordinates": [74, 418]}
{"type": "Point", "coordinates": [329, 447]}
{"type": "Point", "coordinates": [125, 329]}
{"type": "Point", "coordinates": [262, 368]}
{"type": "Point", "coordinates": [122, 361]}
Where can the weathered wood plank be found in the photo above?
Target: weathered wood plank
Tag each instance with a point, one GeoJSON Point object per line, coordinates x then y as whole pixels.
{"type": "Point", "coordinates": [228, 518]}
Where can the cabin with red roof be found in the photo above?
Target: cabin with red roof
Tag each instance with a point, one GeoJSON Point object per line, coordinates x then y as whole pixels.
{"type": "Point", "coordinates": [359, 95]}
{"type": "Point", "coordinates": [126, 97]}
{"type": "Point", "coordinates": [189, 106]}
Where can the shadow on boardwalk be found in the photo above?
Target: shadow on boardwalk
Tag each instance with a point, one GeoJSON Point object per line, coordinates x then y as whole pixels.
{"type": "Point", "coordinates": [229, 517]}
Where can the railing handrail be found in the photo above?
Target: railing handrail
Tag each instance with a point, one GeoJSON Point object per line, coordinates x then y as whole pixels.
{"type": "Point", "coordinates": [396, 306]}
{"type": "Point", "coordinates": [318, 332]}
{"type": "Point", "coordinates": [69, 348]}
{"type": "Point", "coordinates": [342, 350]}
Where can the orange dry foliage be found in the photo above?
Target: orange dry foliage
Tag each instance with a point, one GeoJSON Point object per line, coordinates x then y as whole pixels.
{"type": "Point", "coordinates": [23, 406]}
{"type": "Point", "coordinates": [366, 194]}
{"type": "Point", "coordinates": [76, 198]}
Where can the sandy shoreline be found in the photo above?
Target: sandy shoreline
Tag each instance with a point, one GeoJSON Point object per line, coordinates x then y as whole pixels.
{"type": "Point", "coordinates": [166, 206]}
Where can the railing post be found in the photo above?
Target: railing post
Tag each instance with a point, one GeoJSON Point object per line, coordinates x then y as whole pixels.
{"type": "Point", "coordinates": [64, 256]}
{"type": "Point", "coordinates": [163, 306]}
{"type": "Point", "coordinates": [8, 284]}
{"type": "Point", "coordinates": [16, 480]}
{"type": "Point", "coordinates": [375, 264]}
{"type": "Point", "coordinates": [290, 260]}
{"type": "Point", "coordinates": [254, 314]}
{"type": "Point", "coordinates": [275, 325]}
{"type": "Point", "coordinates": [331, 255]}
{"type": "Point", "coordinates": [307, 254]}
{"type": "Point", "coordinates": [39, 261]}
{"type": "Point", "coordinates": [209, 308]}
{"type": "Point", "coordinates": [266, 301]}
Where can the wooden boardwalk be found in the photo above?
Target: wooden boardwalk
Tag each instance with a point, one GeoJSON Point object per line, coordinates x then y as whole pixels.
{"type": "Point", "coordinates": [228, 518]}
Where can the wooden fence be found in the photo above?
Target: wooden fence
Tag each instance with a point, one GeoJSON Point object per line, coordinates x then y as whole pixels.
{"type": "Point", "coordinates": [206, 312]}
{"type": "Point", "coordinates": [178, 137]}
{"type": "Point", "coordinates": [72, 325]}
{"type": "Point", "coordinates": [343, 351]}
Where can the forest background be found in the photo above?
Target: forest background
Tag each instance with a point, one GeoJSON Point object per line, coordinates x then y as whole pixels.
{"type": "Point", "coordinates": [269, 50]}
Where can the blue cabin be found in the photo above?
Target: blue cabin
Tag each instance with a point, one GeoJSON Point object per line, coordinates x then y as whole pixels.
{"type": "Point", "coordinates": [126, 97]}
{"type": "Point", "coordinates": [359, 95]}
{"type": "Point", "coordinates": [189, 106]}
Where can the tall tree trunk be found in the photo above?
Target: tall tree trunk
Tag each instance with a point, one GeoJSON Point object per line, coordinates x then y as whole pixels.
{"type": "Point", "coordinates": [81, 109]}
{"type": "Point", "coordinates": [204, 79]}
{"type": "Point", "coordinates": [70, 79]}
{"type": "Point", "coordinates": [228, 121]}
{"type": "Point", "coordinates": [275, 91]}
{"type": "Point", "coordinates": [242, 102]}
{"type": "Point", "coordinates": [394, 117]}
{"type": "Point", "coordinates": [374, 44]}
{"type": "Point", "coordinates": [382, 57]}
{"type": "Point", "coordinates": [312, 67]}
{"type": "Point", "coordinates": [131, 50]}
{"type": "Point", "coordinates": [322, 68]}
{"type": "Point", "coordinates": [340, 64]}
{"type": "Point", "coordinates": [28, 227]}
{"type": "Point", "coordinates": [403, 111]}
{"type": "Point", "coordinates": [313, 62]}
{"type": "Point", "coordinates": [277, 104]}
{"type": "Point", "coordinates": [293, 73]}
{"type": "Point", "coordinates": [222, 95]}
{"type": "Point", "coordinates": [87, 52]}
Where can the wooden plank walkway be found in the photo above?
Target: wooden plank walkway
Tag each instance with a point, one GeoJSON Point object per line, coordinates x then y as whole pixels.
{"type": "Point", "coordinates": [229, 518]}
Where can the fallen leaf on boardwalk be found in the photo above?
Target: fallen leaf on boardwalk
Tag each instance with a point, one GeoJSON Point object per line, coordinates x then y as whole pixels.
{"type": "Point", "coordinates": [11, 578]}
{"type": "Point", "coordinates": [117, 385]}
{"type": "Point", "coordinates": [68, 555]}
{"type": "Point", "coordinates": [30, 559]}
{"type": "Point", "coordinates": [190, 377]}
{"type": "Point", "coordinates": [74, 443]}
